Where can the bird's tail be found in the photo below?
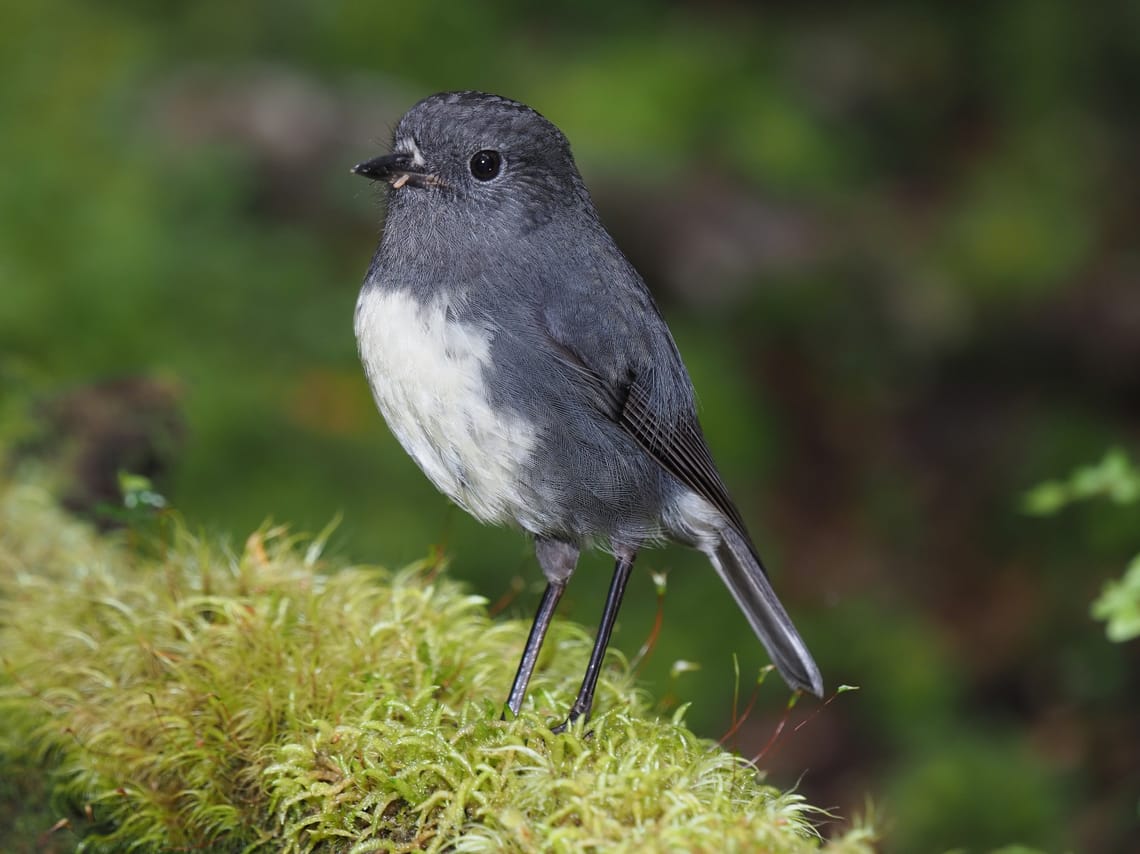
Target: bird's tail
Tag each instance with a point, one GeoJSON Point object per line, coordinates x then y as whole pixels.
{"type": "Point", "coordinates": [740, 569]}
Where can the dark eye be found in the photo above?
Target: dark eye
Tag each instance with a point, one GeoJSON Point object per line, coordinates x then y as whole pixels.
{"type": "Point", "coordinates": [485, 164]}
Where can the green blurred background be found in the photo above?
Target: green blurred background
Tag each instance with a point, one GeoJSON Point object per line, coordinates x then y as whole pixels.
{"type": "Point", "coordinates": [897, 244]}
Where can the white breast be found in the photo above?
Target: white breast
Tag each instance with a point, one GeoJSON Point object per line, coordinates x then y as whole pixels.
{"type": "Point", "coordinates": [426, 374]}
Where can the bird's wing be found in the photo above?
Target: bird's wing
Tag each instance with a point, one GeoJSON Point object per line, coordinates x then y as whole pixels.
{"type": "Point", "coordinates": [679, 447]}
{"type": "Point", "coordinates": [645, 390]}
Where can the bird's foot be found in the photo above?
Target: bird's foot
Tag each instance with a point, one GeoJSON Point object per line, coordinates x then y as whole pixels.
{"type": "Point", "coordinates": [575, 715]}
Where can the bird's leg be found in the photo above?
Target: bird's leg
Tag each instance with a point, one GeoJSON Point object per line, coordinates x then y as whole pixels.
{"type": "Point", "coordinates": [585, 700]}
{"type": "Point", "coordinates": [534, 644]}
{"type": "Point", "coordinates": [557, 559]}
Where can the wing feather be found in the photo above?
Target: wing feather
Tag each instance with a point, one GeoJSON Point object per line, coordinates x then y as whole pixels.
{"type": "Point", "coordinates": [680, 448]}
{"type": "Point", "coordinates": [676, 443]}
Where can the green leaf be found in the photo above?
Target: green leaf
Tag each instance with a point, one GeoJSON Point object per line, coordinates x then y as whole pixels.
{"type": "Point", "coordinates": [1119, 605]}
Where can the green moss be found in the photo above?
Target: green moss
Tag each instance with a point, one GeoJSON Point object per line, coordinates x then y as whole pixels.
{"type": "Point", "coordinates": [186, 697]}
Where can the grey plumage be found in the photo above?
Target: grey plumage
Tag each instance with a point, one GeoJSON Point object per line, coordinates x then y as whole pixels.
{"type": "Point", "coordinates": [520, 359]}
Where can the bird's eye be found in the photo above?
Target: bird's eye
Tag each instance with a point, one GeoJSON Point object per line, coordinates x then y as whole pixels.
{"type": "Point", "coordinates": [485, 164]}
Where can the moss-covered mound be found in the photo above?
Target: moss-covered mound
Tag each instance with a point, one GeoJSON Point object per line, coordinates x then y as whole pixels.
{"type": "Point", "coordinates": [186, 698]}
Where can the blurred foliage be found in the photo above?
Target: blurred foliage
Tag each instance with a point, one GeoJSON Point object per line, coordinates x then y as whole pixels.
{"type": "Point", "coordinates": [896, 244]}
{"type": "Point", "coordinates": [1114, 478]}
{"type": "Point", "coordinates": [1119, 605]}
{"type": "Point", "coordinates": [1007, 793]}
{"type": "Point", "coordinates": [1117, 479]}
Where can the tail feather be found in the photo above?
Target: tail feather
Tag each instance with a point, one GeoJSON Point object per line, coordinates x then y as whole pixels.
{"type": "Point", "coordinates": [741, 570]}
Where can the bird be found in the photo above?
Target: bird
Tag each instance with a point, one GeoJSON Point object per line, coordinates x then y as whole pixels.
{"type": "Point", "coordinates": [521, 361]}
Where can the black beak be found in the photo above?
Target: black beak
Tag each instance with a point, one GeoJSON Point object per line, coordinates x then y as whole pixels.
{"type": "Point", "coordinates": [385, 167]}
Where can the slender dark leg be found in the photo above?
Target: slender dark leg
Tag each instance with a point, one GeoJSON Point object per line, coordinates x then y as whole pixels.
{"type": "Point", "coordinates": [585, 700]}
{"type": "Point", "coordinates": [534, 644]}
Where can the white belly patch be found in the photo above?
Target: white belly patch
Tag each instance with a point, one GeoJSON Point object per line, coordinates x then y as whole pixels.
{"type": "Point", "coordinates": [426, 374]}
